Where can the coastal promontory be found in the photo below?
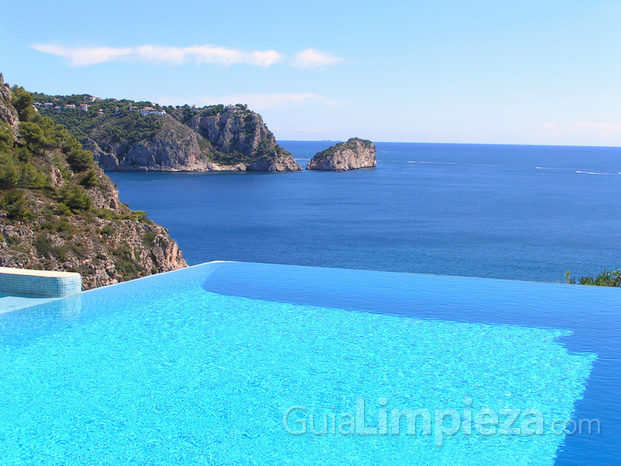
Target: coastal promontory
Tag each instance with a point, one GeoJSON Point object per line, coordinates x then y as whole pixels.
{"type": "Point", "coordinates": [125, 135]}
{"type": "Point", "coordinates": [351, 155]}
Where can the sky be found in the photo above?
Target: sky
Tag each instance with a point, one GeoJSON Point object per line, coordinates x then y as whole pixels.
{"type": "Point", "coordinates": [453, 71]}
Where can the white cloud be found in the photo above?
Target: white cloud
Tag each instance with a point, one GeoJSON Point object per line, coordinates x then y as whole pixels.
{"type": "Point", "coordinates": [211, 54]}
{"type": "Point", "coordinates": [84, 56]}
{"type": "Point", "coordinates": [311, 58]}
{"type": "Point", "coordinates": [267, 58]}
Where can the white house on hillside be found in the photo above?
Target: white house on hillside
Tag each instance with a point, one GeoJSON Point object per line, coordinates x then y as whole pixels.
{"type": "Point", "coordinates": [151, 111]}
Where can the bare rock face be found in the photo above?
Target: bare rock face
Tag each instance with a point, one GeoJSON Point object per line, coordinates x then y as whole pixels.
{"type": "Point", "coordinates": [351, 155]}
{"type": "Point", "coordinates": [185, 139]}
{"type": "Point", "coordinates": [114, 246]}
{"type": "Point", "coordinates": [8, 114]}
{"type": "Point", "coordinates": [276, 161]}
{"type": "Point", "coordinates": [174, 147]}
{"type": "Point", "coordinates": [127, 250]}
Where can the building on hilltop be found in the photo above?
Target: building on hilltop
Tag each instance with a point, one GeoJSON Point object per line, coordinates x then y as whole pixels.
{"type": "Point", "coordinates": [151, 111]}
{"type": "Point", "coordinates": [84, 107]}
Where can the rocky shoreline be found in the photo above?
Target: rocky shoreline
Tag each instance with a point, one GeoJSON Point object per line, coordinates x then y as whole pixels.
{"type": "Point", "coordinates": [351, 155]}
{"type": "Point", "coordinates": [60, 212]}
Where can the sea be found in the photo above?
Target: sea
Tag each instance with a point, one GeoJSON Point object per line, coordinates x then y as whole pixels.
{"type": "Point", "coordinates": [513, 212]}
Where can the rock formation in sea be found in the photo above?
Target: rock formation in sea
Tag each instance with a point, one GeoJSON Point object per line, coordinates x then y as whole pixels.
{"type": "Point", "coordinates": [59, 211]}
{"type": "Point", "coordinates": [351, 155]}
{"type": "Point", "coordinates": [134, 136]}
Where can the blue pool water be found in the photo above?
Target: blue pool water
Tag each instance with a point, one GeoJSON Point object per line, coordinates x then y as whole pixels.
{"type": "Point", "coordinates": [202, 365]}
{"type": "Point", "coordinates": [512, 212]}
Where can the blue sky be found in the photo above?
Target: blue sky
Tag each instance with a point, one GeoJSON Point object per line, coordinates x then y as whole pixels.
{"type": "Point", "coordinates": [473, 71]}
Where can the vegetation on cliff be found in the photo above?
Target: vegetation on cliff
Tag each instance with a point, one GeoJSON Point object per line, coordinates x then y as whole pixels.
{"type": "Point", "coordinates": [351, 144]}
{"type": "Point", "coordinates": [59, 211]}
{"type": "Point", "coordinates": [605, 278]}
{"type": "Point", "coordinates": [180, 138]}
{"type": "Point", "coordinates": [353, 154]}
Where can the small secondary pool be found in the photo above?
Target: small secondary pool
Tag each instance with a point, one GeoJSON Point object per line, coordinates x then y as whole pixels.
{"type": "Point", "coordinates": [237, 363]}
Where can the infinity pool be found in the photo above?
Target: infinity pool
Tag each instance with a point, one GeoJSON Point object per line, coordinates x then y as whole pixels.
{"type": "Point", "coordinates": [236, 363]}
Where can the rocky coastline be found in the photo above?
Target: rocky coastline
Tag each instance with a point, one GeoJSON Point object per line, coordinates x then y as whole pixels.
{"type": "Point", "coordinates": [60, 212]}
{"type": "Point", "coordinates": [351, 155]}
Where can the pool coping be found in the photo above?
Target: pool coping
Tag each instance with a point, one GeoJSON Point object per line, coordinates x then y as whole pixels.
{"type": "Point", "coordinates": [39, 283]}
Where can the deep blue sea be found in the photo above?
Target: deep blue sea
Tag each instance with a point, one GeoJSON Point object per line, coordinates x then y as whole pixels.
{"type": "Point", "coordinates": [498, 211]}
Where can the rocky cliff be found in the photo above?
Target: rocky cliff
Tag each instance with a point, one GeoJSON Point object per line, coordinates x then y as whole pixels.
{"type": "Point", "coordinates": [8, 114]}
{"type": "Point", "coordinates": [58, 211]}
{"type": "Point", "coordinates": [351, 155]}
{"type": "Point", "coordinates": [134, 136]}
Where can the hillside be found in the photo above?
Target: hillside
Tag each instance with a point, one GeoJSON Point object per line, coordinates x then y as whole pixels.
{"type": "Point", "coordinates": [59, 211]}
{"type": "Point", "coordinates": [139, 136]}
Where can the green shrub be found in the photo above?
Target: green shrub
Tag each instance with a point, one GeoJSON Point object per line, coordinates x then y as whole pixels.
{"type": "Point", "coordinates": [32, 178]}
{"type": "Point", "coordinates": [76, 199]}
{"type": "Point", "coordinates": [13, 240]}
{"type": "Point", "coordinates": [60, 252]}
{"type": "Point", "coordinates": [61, 167]}
{"type": "Point", "coordinates": [90, 179]}
{"type": "Point", "coordinates": [63, 209]}
{"type": "Point", "coordinates": [43, 245]}
{"type": "Point", "coordinates": [126, 263]}
{"type": "Point", "coordinates": [22, 100]}
{"type": "Point", "coordinates": [139, 215]}
{"type": "Point", "coordinates": [9, 172]}
{"type": "Point", "coordinates": [107, 231]}
{"type": "Point", "coordinates": [80, 160]}
{"type": "Point", "coordinates": [80, 248]}
{"type": "Point", "coordinates": [605, 278]}
{"type": "Point", "coordinates": [34, 136]}
{"type": "Point", "coordinates": [129, 269]}
{"type": "Point", "coordinates": [148, 238]}
{"type": "Point", "coordinates": [64, 227]}
{"type": "Point", "coordinates": [16, 207]}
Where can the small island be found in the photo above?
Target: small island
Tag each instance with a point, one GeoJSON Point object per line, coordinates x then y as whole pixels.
{"type": "Point", "coordinates": [351, 155]}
